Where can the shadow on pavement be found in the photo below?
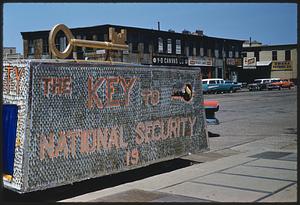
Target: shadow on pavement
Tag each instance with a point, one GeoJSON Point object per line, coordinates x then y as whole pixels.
{"type": "Point", "coordinates": [210, 134]}
{"type": "Point", "coordinates": [87, 186]}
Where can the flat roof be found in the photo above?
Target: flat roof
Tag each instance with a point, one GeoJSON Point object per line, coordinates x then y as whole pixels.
{"type": "Point", "coordinates": [136, 28]}
{"type": "Point", "coordinates": [270, 47]}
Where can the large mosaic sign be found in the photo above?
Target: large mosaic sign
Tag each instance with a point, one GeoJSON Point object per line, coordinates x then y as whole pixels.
{"type": "Point", "coordinates": [80, 120]}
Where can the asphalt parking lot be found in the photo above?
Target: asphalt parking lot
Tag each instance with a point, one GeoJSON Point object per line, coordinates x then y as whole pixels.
{"type": "Point", "coordinates": [246, 116]}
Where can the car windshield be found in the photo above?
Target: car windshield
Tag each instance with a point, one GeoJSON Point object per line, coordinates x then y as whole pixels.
{"type": "Point", "coordinates": [204, 82]}
{"type": "Point", "coordinates": [257, 81]}
{"type": "Point", "coordinates": [274, 81]}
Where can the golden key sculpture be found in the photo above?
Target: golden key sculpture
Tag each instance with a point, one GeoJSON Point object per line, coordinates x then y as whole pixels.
{"type": "Point", "coordinates": [118, 41]}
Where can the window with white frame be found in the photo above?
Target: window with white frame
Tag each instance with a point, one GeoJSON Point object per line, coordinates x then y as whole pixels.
{"type": "Point", "coordinates": [169, 45]}
{"type": "Point", "coordinates": [201, 52]}
{"type": "Point", "coordinates": [194, 51]}
{"type": "Point", "coordinates": [230, 54]}
{"type": "Point", "coordinates": [45, 46]}
{"type": "Point", "coordinates": [224, 54]}
{"type": "Point", "coordinates": [236, 54]}
{"type": "Point", "coordinates": [216, 53]}
{"type": "Point", "coordinates": [178, 46]}
{"type": "Point", "coordinates": [30, 47]}
{"type": "Point", "coordinates": [62, 43]}
{"type": "Point", "coordinates": [160, 45]}
{"type": "Point", "coordinates": [209, 52]}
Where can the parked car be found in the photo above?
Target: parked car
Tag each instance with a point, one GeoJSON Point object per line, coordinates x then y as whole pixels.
{"type": "Point", "coordinates": [244, 85]}
{"type": "Point", "coordinates": [236, 85]}
{"type": "Point", "coordinates": [262, 84]}
{"type": "Point", "coordinates": [285, 83]}
{"type": "Point", "coordinates": [216, 85]}
{"type": "Point", "coordinates": [211, 107]}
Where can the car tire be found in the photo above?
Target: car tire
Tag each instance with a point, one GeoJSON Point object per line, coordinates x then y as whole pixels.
{"type": "Point", "coordinates": [230, 90]}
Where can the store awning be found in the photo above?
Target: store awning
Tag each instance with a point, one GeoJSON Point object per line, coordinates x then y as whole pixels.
{"type": "Point", "coordinates": [263, 63]}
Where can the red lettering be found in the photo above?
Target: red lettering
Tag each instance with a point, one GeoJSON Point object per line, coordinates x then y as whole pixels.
{"type": "Point", "coordinates": [140, 128]}
{"type": "Point", "coordinates": [18, 76]}
{"type": "Point", "coordinates": [92, 92]}
{"type": "Point", "coordinates": [127, 88]}
{"type": "Point", "coordinates": [102, 138]}
{"type": "Point", "coordinates": [46, 82]}
{"type": "Point", "coordinates": [47, 145]}
{"type": "Point", "coordinates": [62, 145]}
{"type": "Point", "coordinates": [113, 139]}
{"type": "Point", "coordinates": [110, 90]}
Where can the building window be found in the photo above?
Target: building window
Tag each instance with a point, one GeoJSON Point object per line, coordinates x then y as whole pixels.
{"type": "Point", "coordinates": [169, 45]}
{"type": "Point", "coordinates": [256, 55]}
{"type": "Point", "coordinates": [45, 46]}
{"type": "Point", "coordinates": [135, 48]}
{"type": "Point", "coordinates": [236, 54]}
{"type": "Point", "coordinates": [146, 48]}
{"type": "Point", "coordinates": [187, 49]}
{"type": "Point", "coordinates": [217, 53]}
{"type": "Point", "coordinates": [30, 47]}
{"type": "Point", "coordinates": [244, 54]}
{"type": "Point", "coordinates": [194, 51]}
{"type": "Point", "coordinates": [160, 45]}
{"type": "Point", "coordinates": [274, 55]}
{"type": "Point", "coordinates": [230, 54]}
{"type": "Point", "coordinates": [201, 52]}
{"type": "Point", "coordinates": [209, 52]}
{"type": "Point", "coordinates": [288, 55]}
{"type": "Point", "coordinates": [224, 54]}
{"type": "Point", "coordinates": [62, 43]}
{"type": "Point", "coordinates": [178, 46]}
{"type": "Point", "coordinates": [191, 50]}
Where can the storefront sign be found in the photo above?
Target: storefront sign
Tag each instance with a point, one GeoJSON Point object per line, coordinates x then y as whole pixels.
{"type": "Point", "coordinates": [200, 62]}
{"type": "Point", "coordinates": [230, 61]}
{"type": "Point", "coordinates": [170, 60]}
{"type": "Point", "coordinates": [234, 61]}
{"type": "Point", "coordinates": [249, 63]}
{"type": "Point", "coordinates": [282, 65]}
{"type": "Point", "coordinates": [238, 62]}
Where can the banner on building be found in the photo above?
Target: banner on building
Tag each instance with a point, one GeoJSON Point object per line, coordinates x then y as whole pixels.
{"type": "Point", "coordinates": [170, 60]}
{"type": "Point", "coordinates": [200, 62]}
{"type": "Point", "coordinates": [282, 65]}
{"type": "Point", "coordinates": [249, 63]}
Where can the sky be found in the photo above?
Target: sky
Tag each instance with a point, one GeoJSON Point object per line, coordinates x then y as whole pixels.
{"type": "Point", "coordinates": [268, 23]}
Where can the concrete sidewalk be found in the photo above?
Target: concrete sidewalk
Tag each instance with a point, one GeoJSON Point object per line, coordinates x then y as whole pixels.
{"type": "Point", "coordinates": [259, 171]}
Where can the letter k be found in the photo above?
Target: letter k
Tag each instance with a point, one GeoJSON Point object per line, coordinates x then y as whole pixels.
{"type": "Point", "coordinates": [92, 92]}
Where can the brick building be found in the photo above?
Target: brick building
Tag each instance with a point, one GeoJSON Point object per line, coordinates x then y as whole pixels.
{"type": "Point", "coordinates": [217, 57]}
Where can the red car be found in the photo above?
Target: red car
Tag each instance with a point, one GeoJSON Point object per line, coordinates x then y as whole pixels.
{"type": "Point", "coordinates": [283, 83]}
